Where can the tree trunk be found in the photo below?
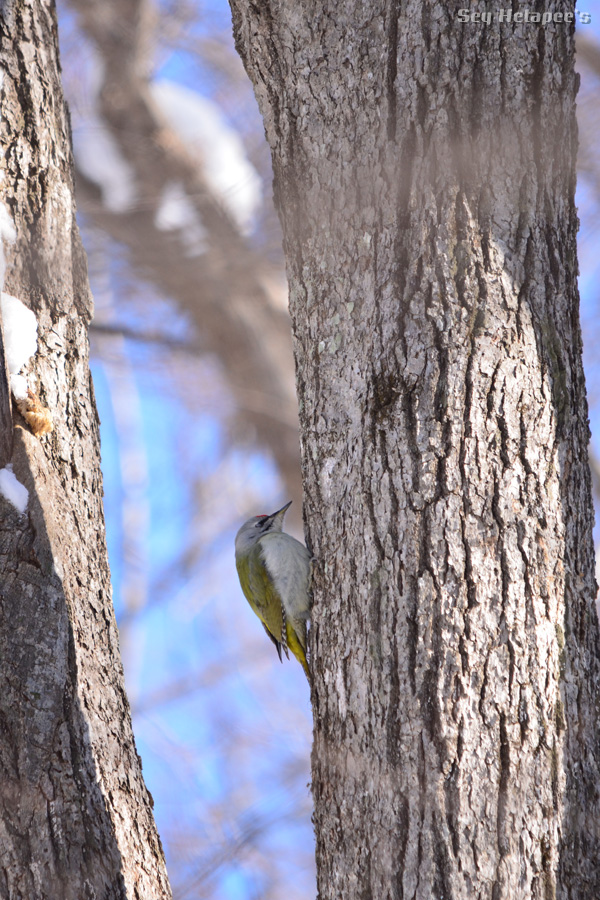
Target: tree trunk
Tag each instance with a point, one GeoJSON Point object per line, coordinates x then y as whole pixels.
{"type": "Point", "coordinates": [75, 816]}
{"type": "Point", "coordinates": [425, 174]}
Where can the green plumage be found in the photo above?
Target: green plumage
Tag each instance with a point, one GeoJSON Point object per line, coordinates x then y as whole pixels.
{"type": "Point", "coordinates": [260, 592]}
{"type": "Point", "coordinates": [274, 573]}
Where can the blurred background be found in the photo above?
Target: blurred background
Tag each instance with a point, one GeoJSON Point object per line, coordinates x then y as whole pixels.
{"type": "Point", "coordinates": [193, 373]}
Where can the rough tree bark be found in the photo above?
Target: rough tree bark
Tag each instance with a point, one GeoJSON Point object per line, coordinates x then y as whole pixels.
{"type": "Point", "coordinates": [75, 816]}
{"type": "Point", "coordinates": [424, 173]}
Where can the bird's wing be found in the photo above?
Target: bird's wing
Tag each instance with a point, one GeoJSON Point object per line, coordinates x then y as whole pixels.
{"type": "Point", "coordinates": [288, 563]}
{"type": "Point", "coordinates": [266, 600]}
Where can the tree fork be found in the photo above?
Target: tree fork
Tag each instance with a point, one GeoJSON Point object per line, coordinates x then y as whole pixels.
{"type": "Point", "coordinates": [425, 176]}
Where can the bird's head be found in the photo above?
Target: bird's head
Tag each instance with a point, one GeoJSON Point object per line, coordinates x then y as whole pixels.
{"type": "Point", "coordinates": [257, 526]}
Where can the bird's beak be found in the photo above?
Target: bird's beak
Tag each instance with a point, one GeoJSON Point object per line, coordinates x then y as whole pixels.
{"type": "Point", "coordinates": [280, 512]}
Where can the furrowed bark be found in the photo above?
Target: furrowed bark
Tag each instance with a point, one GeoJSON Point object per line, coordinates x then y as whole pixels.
{"type": "Point", "coordinates": [75, 816]}
{"type": "Point", "coordinates": [425, 176]}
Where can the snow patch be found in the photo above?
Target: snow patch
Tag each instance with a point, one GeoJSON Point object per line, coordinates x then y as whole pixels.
{"type": "Point", "coordinates": [201, 125]}
{"type": "Point", "coordinates": [177, 212]}
{"type": "Point", "coordinates": [18, 386]}
{"type": "Point", "coordinates": [12, 489]}
{"type": "Point", "coordinates": [7, 226]}
{"type": "Point", "coordinates": [20, 332]}
{"type": "Point", "coordinates": [96, 150]}
{"type": "Point", "coordinates": [8, 235]}
{"type": "Point", "coordinates": [99, 158]}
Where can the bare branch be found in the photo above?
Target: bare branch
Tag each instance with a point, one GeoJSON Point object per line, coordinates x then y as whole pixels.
{"type": "Point", "coordinates": [231, 294]}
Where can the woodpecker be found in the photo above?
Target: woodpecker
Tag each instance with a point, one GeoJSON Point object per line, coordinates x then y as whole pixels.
{"type": "Point", "coordinates": [274, 572]}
